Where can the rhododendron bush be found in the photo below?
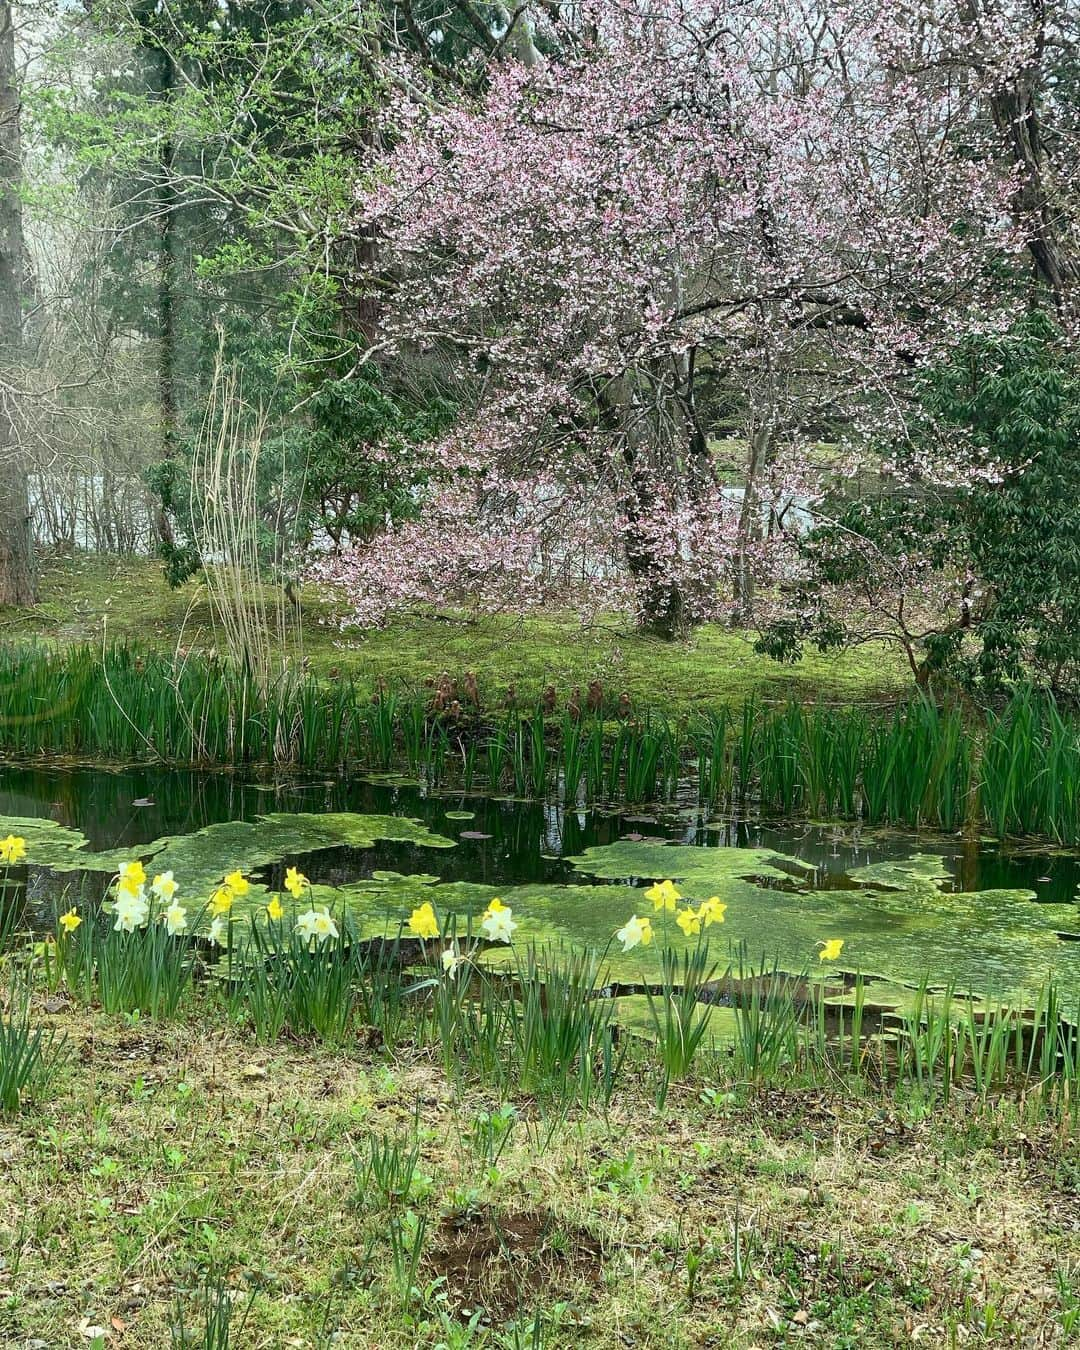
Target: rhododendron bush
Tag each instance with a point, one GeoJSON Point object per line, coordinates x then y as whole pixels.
{"type": "Point", "coordinates": [676, 224]}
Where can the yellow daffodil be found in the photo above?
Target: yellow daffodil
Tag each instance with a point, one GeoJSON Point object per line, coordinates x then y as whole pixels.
{"type": "Point", "coordinates": [164, 887]}
{"type": "Point", "coordinates": [131, 890]}
{"type": "Point", "coordinates": [12, 849]}
{"type": "Point", "coordinates": [70, 921]}
{"type": "Point", "coordinates": [829, 951]}
{"type": "Point", "coordinates": [222, 899]}
{"type": "Point", "coordinates": [635, 931]}
{"type": "Point", "coordinates": [422, 921]}
{"type": "Point", "coordinates": [663, 895]}
{"type": "Point", "coordinates": [273, 909]}
{"type": "Point", "coordinates": [295, 881]}
{"type": "Point", "coordinates": [132, 874]}
{"type": "Point", "coordinates": [712, 910]}
{"type": "Point", "coordinates": [495, 906]}
{"type": "Point", "coordinates": [689, 921]}
{"type": "Point", "coordinates": [238, 883]}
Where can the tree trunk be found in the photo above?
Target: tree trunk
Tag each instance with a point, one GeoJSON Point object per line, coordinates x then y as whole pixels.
{"type": "Point", "coordinates": [16, 551]}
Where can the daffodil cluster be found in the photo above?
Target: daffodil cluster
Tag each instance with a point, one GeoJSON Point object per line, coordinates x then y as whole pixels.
{"type": "Point", "coordinates": [232, 888]}
{"type": "Point", "coordinates": [665, 897]}
{"type": "Point", "coordinates": [133, 898]}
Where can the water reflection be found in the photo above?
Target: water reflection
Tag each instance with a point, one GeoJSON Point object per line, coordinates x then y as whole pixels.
{"type": "Point", "coordinates": [503, 842]}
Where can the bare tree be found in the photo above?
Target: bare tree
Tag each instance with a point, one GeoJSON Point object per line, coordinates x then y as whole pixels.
{"type": "Point", "coordinates": [16, 570]}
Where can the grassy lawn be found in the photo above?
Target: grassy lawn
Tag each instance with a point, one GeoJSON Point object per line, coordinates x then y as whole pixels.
{"type": "Point", "coordinates": [169, 1153]}
{"type": "Point", "coordinates": [128, 598]}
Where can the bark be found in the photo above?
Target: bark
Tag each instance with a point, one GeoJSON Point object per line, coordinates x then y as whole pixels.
{"type": "Point", "coordinates": [16, 552]}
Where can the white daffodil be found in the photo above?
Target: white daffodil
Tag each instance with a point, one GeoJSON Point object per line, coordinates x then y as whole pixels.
{"type": "Point", "coordinates": [635, 931]}
{"type": "Point", "coordinates": [218, 929]}
{"type": "Point", "coordinates": [498, 925]}
{"type": "Point", "coordinates": [305, 924]}
{"type": "Point", "coordinates": [175, 919]}
{"type": "Point", "coordinates": [452, 960]}
{"type": "Point", "coordinates": [131, 911]}
{"type": "Point", "coordinates": [324, 927]}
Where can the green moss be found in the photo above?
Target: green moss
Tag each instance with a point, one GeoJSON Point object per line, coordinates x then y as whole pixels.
{"type": "Point", "coordinates": [200, 859]}
{"type": "Point", "coordinates": [83, 596]}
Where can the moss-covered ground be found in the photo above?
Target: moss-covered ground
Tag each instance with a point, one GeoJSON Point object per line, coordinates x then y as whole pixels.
{"type": "Point", "coordinates": [86, 596]}
{"type": "Point", "coordinates": [166, 1156]}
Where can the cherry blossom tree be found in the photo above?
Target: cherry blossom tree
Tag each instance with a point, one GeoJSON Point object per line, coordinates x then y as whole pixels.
{"type": "Point", "coordinates": [684, 221]}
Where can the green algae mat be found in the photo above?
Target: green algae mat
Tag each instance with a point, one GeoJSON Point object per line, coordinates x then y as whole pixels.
{"type": "Point", "coordinates": [900, 921]}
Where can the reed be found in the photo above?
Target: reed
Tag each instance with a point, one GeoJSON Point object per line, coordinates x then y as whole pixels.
{"type": "Point", "coordinates": [1015, 771]}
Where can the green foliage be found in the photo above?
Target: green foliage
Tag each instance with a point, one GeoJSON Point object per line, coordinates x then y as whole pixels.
{"type": "Point", "coordinates": [227, 142]}
{"type": "Point", "coordinates": [992, 560]}
{"type": "Point", "coordinates": [29, 1055]}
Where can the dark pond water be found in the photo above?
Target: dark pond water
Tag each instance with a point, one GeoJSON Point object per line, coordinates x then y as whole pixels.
{"type": "Point", "coordinates": [521, 841]}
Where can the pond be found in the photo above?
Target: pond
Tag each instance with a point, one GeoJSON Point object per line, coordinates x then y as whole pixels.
{"type": "Point", "coordinates": [997, 922]}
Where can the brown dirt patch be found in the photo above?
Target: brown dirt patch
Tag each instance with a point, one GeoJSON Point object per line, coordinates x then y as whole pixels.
{"type": "Point", "coordinates": [508, 1264]}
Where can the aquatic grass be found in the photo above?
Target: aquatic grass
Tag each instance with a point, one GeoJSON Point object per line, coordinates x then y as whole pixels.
{"type": "Point", "coordinates": [767, 1015]}
{"type": "Point", "coordinates": [594, 761]}
{"type": "Point", "coordinates": [382, 719]}
{"type": "Point", "coordinates": [714, 772]}
{"type": "Point", "coordinates": [561, 1030]}
{"type": "Point", "coordinates": [572, 760]}
{"type": "Point", "coordinates": [919, 764]}
{"type": "Point", "coordinates": [538, 755]}
{"type": "Point", "coordinates": [497, 750]}
{"type": "Point", "coordinates": [641, 756]}
{"type": "Point", "coordinates": [413, 734]}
